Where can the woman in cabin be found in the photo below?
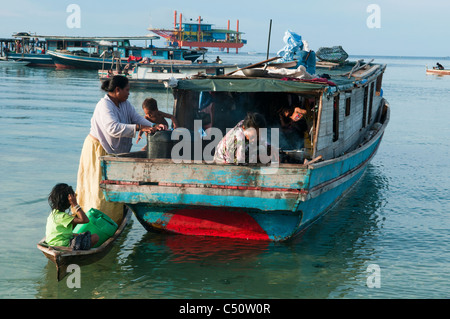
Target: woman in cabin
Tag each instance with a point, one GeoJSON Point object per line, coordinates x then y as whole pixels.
{"type": "Point", "coordinates": [292, 126]}
{"type": "Point", "coordinates": [113, 126]}
{"type": "Point", "coordinates": [234, 146]}
{"type": "Point", "coordinates": [59, 230]}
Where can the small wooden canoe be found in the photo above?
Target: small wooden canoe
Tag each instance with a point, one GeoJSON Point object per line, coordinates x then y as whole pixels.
{"type": "Point", "coordinates": [65, 256]}
{"type": "Point", "coordinates": [438, 72]}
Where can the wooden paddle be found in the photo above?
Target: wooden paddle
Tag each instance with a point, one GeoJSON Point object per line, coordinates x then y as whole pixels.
{"type": "Point", "coordinates": [253, 65]}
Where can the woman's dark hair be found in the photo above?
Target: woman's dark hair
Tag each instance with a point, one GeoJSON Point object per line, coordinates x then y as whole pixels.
{"type": "Point", "coordinates": [111, 84]}
{"type": "Point", "coordinates": [254, 120]}
{"type": "Point", "coordinates": [58, 198]}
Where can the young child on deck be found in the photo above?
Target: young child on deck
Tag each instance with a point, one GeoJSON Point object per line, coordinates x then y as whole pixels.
{"type": "Point", "coordinates": [59, 230]}
{"type": "Point", "coordinates": [150, 107]}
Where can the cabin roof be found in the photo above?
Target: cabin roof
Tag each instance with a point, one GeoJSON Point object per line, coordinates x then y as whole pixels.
{"type": "Point", "coordinates": [339, 80]}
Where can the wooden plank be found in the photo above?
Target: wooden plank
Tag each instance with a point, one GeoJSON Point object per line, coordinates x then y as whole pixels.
{"type": "Point", "coordinates": [155, 171]}
{"type": "Point", "coordinates": [365, 73]}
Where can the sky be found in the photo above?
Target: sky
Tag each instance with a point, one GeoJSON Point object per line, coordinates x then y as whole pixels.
{"type": "Point", "coordinates": [374, 27]}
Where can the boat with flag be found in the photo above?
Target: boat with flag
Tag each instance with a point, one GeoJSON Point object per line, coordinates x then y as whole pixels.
{"type": "Point", "coordinates": [181, 189]}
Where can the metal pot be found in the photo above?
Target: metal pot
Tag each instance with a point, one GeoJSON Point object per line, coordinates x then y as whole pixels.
{"type": "Point", "coordinates": [254, 72]}
{"type": "Point", "coordinates": [294, 156]}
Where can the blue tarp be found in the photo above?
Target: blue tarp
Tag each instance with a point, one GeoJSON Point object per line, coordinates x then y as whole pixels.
{"type": "Point", "coordinates": [294, 50]}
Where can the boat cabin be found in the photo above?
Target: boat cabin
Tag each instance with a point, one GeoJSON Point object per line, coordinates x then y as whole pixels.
{"type": "Point", "coordinates": [339, 112]}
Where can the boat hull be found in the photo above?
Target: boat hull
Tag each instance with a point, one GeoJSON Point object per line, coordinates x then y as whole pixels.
{"type": "Point", "coordinates": [62, 258]}
{"type": "Point", "coordinates": [157, 76]}
{"type": "Point", "coordinates": [71, 61]}
{"type": "Point", "coordinates": [41, 60]}
{"type": "Point", "coordinates": [438, 72]}
{"type": "Point", "coordinates": [233, 201]}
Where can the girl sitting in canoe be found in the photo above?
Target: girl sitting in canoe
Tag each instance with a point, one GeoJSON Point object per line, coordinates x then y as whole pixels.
{"type": "Point", "coordinates": [59, 230]}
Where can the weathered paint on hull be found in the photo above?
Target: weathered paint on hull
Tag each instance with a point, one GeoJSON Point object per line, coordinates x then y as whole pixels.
{"type": "Point", "coordinates": [254, 215]}
{"type": "Point", "coordinates": [218, 222]}
{"type": "Point", "coordinates": [68, 61]}
{"type": "Point", "coordinates": [240, 222]}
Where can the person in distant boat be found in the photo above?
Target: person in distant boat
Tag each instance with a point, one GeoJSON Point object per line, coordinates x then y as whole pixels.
{"type": "Point", "coordinates": [439, 66]}
{"type": "Point", "coordinates": [234, 146]}
{"type": "Point", "coordinates": [150, 107]}
{"type": "Point", "coordinates": [59, 229]}
{"type": "Point", "coordinates": [218, 60]}
{"type": "Point", "coordinates": [113, 125]}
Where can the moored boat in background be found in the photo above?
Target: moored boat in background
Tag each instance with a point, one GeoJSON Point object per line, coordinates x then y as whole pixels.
{"type": "Point", "coordinates": [198, 34]}
{"type": "Point", "coordinates": [157, 74]}
{"type": "Point", "coordinates": [107, 52]}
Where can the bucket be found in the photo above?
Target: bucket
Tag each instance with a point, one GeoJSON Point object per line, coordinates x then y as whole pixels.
{"type": "Point", "coordinates": [159, 144]}
{"type": "Point", "coordinates": [99, 224]}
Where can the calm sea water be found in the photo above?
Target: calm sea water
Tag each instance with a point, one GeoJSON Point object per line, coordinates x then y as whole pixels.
{"type": "Point", "coordinates": [395, 218]}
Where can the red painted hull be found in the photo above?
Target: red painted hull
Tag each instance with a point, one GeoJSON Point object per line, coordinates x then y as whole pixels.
{"type": "Point", "coordinates": [215, 222]}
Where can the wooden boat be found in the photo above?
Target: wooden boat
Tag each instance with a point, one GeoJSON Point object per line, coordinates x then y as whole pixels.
{"type": "Point", "coordinates": [62, 257]}
{"type": "Point", "coordinates": [107, 52]}
{"type": "Point", "coordinates": [195, 34]}
{"type": "Point", "coordinates": [275, 201]}
{"type": "Point", "coordinates": [157, 74]}
{"type": "Point", "coordinates": [436, 71]}
{"type": "Point", "coordinates": [4, 62]}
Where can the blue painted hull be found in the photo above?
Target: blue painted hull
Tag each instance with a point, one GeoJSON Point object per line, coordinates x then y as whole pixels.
{"type": "Point", "coordinates": [44, 60]}
{"type": "Point", "coordinates": [72, 61]}
{"type": "Point", "coordinates": [272, 212]}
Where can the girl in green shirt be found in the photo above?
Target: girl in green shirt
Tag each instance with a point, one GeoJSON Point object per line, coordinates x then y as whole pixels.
{"type": "Point", "coordinates": [59, 230]}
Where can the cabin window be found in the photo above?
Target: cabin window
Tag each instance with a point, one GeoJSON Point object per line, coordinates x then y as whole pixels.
{"type": "Point", "coordinates": [370, 102]}
{"type": "Point", "coordinates": [364, 115]}
{"type": "Point", "coordinates": [336, 118]}
{"type": "Point", "coordinates": [348, 103]}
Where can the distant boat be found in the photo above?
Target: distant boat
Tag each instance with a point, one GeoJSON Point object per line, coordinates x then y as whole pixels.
{"type": "Point", "coordinates": [29, 48]}
{"type": "Point", "coordinates": [437, 71]}
{"type": "Point", "coordinates": [157, 74]}
{"type": "Point", "coordinates": [106, 53]}
{"type": "Point", "coordinates": [196, 34]}
{"type": "Point", "coordinates": [89, 52]}
{"type": "Point", "coordinates": [4, 62]}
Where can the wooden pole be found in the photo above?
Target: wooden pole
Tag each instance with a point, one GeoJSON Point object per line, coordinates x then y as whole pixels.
{"type": "Point", "coordinates": [237, 33]}
{"type": "Point", "coordinates": [268, 42]}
